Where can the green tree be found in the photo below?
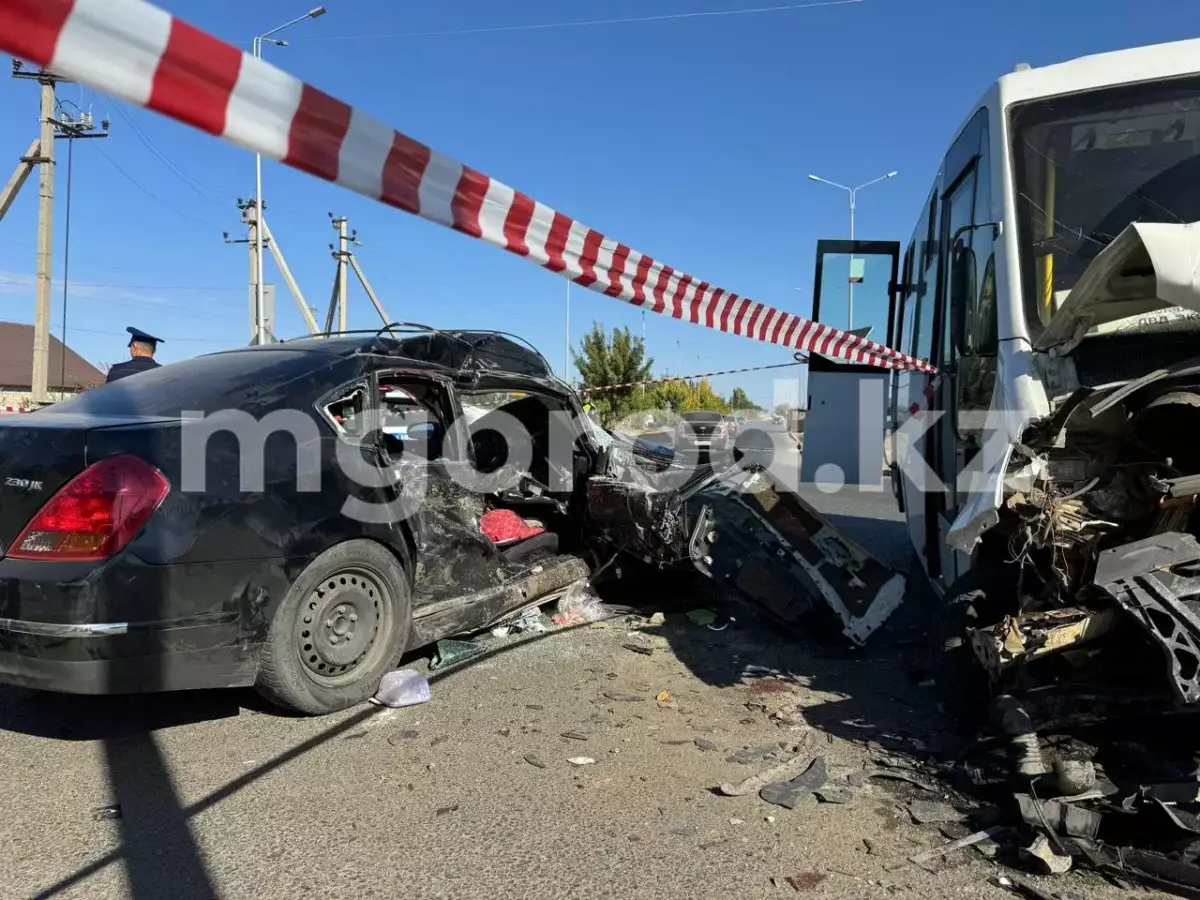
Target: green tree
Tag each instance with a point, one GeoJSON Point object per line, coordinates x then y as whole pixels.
{"type": "Point", "coordinates": [701, 397]}
{"type": "Point", "coordinates": [740, 400]}
{"type": "Point", "coordinates": [669, 395]}
{"type": "Point", "coordinates": [783, 409]}
{"type": "Point", "coordinates": [604, 360]}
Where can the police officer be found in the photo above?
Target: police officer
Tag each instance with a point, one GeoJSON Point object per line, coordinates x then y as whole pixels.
{"type": "Point", "coordinates": [141, 353]}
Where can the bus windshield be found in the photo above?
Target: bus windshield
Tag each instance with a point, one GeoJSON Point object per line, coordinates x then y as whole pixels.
{"type": "Point", "coordinates": [1089, 164]}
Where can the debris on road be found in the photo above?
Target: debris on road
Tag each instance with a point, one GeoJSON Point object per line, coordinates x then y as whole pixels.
{"type": "Point", "coordinates": [574, 735]}
{"type": "Point", "coordinates": [107, 813]}
{"type": "Point", "coordinates": [446, 810]}
{"type": "Point", "coordinates": [835, 794]}
{"type": "Point", "coordinates": [704, 744]}
{"type": "Point", "coordinates": [639, 648]}
{"type": "Point", "coordinates": [657, 619]}
{"type": "Point", "coordinates": [579, 604]}
{"type": "Point", "coordinates": [581, 761]}
{"type": "Point", "coordinates": [789, 794]}
{"type": "Point", "coordinates": [701, 616]}
{"type": "Point", "coordinates": [749, 755]}
{"type": "Point", "coordinates": [754, 783]}
{"type": "Point", "coordinates": [929, 859]}
{"type": "Point", "coordinates": [618, 697]}
{"type": "Point", "coordinates": [403, 687]}
{"type": "Point", "coordinates": [399, 737]}
{"type": "Point", "coordinates": [1043, 858]}
{"type": "Point", "coordinates": [925, 812]}
{"type": "Point", "coordinates": [533, 760]}
{"type": "Point", "coordinates": [1063, 818]}
{"type": "Point", "coordinates": [805, 881]}
{"type": "Point", "coordinates": [450, 653]}
{"type": "Point", "coordinates": [901, 775]}
{"type": "Point", "coordinates": [1074, 777]}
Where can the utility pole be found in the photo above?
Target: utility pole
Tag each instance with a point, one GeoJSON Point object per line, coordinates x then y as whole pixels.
{"type": "Point", "coordinates": [41, 154]}
{"type": "Point", "coordinates": [343, 260]}
{"type": "Point", "coordinates": [346, 261]}
{"type": "Point", "coordinates": [258, 234]}
{"type": "Point", "coordinates": [254, 242]}
{"type": "Point", "coordinates": [45, 248]}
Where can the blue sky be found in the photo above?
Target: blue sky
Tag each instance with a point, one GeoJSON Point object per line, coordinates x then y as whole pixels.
{"type": "Point", "coordinates": [688, 139]}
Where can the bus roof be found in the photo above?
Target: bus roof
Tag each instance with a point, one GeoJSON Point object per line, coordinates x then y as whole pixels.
{"type": "Point", "coordinates": [1151, 63]}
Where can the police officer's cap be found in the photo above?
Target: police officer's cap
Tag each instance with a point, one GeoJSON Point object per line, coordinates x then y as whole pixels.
{"type": "Point", "coordinates": [140, 336]}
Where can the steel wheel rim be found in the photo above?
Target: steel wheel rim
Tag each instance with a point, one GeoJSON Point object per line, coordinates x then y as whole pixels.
{"type": "Point", "coordinates": [339, 624]}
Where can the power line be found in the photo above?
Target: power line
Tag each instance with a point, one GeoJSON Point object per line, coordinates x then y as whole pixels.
{"type": "Point", "coordinates": [154, 196]}
{"type": "Point", "coordinates": [27, 279]}
{"type": "Point", "coordinates": [198, 186]}
{"type": "Point", "coordinates": [123, 334]}
{"type": "Point", "coordinates": [584, 24]}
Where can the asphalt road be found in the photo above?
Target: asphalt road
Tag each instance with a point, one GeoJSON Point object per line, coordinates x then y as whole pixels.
{"type": "Point", "coordinates": [194, 796]}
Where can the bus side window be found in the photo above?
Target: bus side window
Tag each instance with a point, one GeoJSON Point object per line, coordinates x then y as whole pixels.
{"type": "Point", "coordinates": [904, 314]}
{"type": "Point", "coordinates": [926, 283]}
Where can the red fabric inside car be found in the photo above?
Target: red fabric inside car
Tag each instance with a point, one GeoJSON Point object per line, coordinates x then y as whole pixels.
{"type": "Point", "coordinates": [503, 526]}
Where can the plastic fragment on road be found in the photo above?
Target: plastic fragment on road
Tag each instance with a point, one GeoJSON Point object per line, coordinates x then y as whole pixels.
{"type": "Point", "coordinates": [701, 616]}
{"type": "Point", "coordinates": [789, 794]}
{"type": "Point", "coordinates": [579, 604]}
{"type": "Point", "coordinates": [403, 687]}
{"type": "Point", "coordinates": [1043, 859]}
{"type": "Point", "coordinates": [785, 770]}
{"type": "Point", "coordinates": [928, 860]}
{"type": "Point", "coordinates": [581, 761]}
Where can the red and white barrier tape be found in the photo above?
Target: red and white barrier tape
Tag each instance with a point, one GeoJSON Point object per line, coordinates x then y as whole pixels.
{"type": "Point", "coordinates": [629, 384]}
{"type": "Point", "coordinates": [15, 409]}
{"type": "Point", "coordinates": [134, 50]}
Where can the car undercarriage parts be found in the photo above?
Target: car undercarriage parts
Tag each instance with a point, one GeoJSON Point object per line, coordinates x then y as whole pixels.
{"type": "Point", "coordinates": [1016, 724]}
{"type": "Point", "coordinates": [1150, 579]}
{"type": "Point", "coordinates": [789, 558]}
{"type": "Point", "coordinates": [1019, 640]}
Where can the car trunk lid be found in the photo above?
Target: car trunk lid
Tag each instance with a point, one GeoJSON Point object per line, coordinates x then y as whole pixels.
{"type": "Point", "coordinates": [39, 453]}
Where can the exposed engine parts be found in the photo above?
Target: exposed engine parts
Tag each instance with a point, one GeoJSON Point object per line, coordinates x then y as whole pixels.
{"type": "Point", "coordinates": [1100, 538]}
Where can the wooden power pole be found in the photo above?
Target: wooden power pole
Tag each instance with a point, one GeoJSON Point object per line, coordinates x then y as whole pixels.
{"type": "Point", "coordinates": [346, 261]}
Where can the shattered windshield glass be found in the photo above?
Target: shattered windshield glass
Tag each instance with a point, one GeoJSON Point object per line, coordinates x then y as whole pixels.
{"type": "Point", "coordinates": [1089, 164]}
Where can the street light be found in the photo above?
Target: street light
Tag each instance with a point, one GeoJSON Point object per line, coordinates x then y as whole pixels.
{"type": "Point", "coordinates": [853, 192]}
{"type": "Point", "coordinates": [260, 322]}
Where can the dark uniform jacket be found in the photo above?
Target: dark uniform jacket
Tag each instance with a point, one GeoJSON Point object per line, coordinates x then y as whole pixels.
{"type": "Point", "coordinates": [130, 367]}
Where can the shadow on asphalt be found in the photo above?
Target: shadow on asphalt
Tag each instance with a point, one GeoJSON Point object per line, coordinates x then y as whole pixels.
{"type": "Point", "coordinates": [879, 699]}
{"type": "Point", "coordinates": [161, 856]}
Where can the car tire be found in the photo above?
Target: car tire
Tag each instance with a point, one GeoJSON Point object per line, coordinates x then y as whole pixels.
{"type": "Point", "coordinates": [963, 685]}
{"type": "Point", "coordinates": [344, 622]}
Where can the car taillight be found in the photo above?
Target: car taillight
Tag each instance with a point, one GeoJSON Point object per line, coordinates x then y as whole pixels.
{"type": "Point", "coordinates": [96, 513]}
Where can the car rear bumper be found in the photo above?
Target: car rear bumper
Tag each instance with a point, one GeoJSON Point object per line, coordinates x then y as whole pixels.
{"type": "Point", "coordinates": [125, 657]}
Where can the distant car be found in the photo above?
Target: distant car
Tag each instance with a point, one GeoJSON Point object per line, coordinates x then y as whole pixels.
{"type": "Point", "coordinates": [703, 432]}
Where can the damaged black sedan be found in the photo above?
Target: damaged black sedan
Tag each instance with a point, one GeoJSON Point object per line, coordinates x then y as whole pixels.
{"type": "Point", "coordinates": [296, 516]}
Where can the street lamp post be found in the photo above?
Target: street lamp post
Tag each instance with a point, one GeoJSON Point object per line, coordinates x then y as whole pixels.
{"type": "Point", "coordinates": [853, 192]}
{"type": "Point", "coordinates": [260, 322]}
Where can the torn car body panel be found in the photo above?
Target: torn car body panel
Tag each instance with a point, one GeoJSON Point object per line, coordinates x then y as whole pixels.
{"type": "Point", "coordinates": [743, 529]}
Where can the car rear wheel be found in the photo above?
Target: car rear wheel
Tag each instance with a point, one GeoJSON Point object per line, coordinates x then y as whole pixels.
{"type": "Point", "coordinates": [344, 623]}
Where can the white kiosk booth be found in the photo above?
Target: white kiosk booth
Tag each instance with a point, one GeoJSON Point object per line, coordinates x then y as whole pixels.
{"type": "Point", "coordinates": [845, 427]}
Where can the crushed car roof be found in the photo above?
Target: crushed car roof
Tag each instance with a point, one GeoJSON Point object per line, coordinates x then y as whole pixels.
{"type": "Point", "coordinates": [456, 349]}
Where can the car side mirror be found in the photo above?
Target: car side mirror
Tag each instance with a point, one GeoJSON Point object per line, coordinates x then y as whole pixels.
{"type": "Point", "coordinates": [962, 293]}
